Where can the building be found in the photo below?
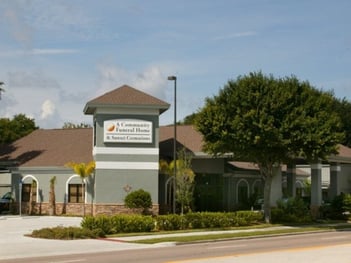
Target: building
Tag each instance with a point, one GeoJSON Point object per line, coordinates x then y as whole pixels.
{"type": "Point", "coordinates": [126, 142]}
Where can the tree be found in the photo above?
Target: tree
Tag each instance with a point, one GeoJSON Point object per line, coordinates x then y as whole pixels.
{"type": "Point", "coordinates": [18, 127]}
{"type": "Point", "coordinates": [343, 108]}
{"type": "Point", "coordinates": [84, 171]}
{"type": "Point", "coordinates": [185, 179]}
{"type": "Point", "coordinates": [139, 199]}
{"type": "Point", "coordinates": [270, 121]}
{"type": "Point", "coordinates": [190, 119]}
{"type": "Point", "coordinates": [70, 125]}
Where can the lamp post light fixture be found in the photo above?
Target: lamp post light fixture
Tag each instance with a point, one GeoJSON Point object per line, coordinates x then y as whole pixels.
{"type": "Point", "coordinates": [174, 78]}
{"type": "Point", "coordinates": [1, 89]}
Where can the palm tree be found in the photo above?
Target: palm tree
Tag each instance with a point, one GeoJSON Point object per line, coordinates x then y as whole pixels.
{"type": "Point", "coordinates": [84, 171]}
{"type": "Point", "coordinates": [52, 199]}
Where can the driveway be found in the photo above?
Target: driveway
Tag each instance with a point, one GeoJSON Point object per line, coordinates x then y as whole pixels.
{"type": "Point", "coordinates": [13, 243]}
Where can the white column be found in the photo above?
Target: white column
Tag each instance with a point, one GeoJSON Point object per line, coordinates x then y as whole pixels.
{"type": "Point", "coordinates": [334, 186]}
{"type": "Point", "coordinates": [316, 184]}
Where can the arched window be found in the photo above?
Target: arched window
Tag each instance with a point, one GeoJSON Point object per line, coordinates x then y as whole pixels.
{"type": "Point", "coordinates": [75, 191]}
{"type": "Point", "coordinates": [257, 188]}
{"type": "Point", "coordinates": [30, 188]}
{"type": "Point", "coordinates": [242, 191]}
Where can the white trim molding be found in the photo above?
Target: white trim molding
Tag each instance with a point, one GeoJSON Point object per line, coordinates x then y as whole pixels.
{"type": "Point", "coordinates": [125, 150]}
{"type": "Point", "coordinates": [127, 165]}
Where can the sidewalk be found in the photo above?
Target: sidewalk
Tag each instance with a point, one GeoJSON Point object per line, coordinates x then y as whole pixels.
{"type": "Point", "coordinates": [200, 233]}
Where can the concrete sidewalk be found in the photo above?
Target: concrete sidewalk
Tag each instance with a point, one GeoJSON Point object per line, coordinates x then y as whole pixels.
{"type": "Point", "coordinates": [200, 233]}
{"type": "Point", "coordinates": [14, 243]}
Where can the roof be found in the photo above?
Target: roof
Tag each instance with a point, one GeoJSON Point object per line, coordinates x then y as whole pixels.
{"type": "Point", "coordinates": [343, 156]}
{"type": "Point", "coordinates": [125, 96]}
{"type": "Point", "coordinates": [187, 136]}
{"type": "Point", "coordinates": [48, 148]}
{"type": "Point", "coordinates": [253, 166]}
{"type": "Point", "coordinates": [56, 147]}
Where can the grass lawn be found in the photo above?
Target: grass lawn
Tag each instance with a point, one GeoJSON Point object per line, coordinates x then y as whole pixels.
{"type": "Point", "coordinates": [222, 236]}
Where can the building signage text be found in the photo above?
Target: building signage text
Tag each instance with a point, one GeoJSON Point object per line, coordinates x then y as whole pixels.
{"type": "Point", "coordinates": [128, 131]}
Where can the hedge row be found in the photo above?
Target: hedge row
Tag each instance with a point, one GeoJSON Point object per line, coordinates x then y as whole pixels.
{"type": "Point", "coordinates": [65, 233]}
{"type": "Point", "coordinates": [138, 223]}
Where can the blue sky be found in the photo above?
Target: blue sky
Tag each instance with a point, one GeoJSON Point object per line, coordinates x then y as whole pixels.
{"type": "Point", "coordinates": [57, 55]}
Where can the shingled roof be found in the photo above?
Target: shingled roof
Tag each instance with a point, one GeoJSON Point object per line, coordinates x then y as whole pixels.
{"type": "Point", "coordinates": [126, 96]}
{"type": "Point", "coordinates": [56, 147]}
{"type": "Point", "coordinates": [187, 137]}
{"type": "Point", "coordinates": [50, 148]}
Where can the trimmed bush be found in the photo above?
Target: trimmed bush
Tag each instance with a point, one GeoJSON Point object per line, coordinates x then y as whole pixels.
{"type": "Point", "coordinates": [66, 233]}
{"type": "Point", "coordinates": [139, 199]}
{"type": "Point", "coordinates": [171, 222]}
{"type": "Point", "coordinates": [139, 223]}
{"type": "Point", "coordinates": [119, 223]}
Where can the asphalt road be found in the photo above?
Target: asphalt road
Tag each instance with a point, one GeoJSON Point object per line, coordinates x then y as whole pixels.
{"type": "Point", "coordinates": [311, 248]}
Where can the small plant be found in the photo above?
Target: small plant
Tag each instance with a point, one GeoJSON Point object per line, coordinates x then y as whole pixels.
{"type": "Point", "coordinates": [139, 199]}
{"type": "Point", "coordinates": [291, 210]}
{"type": "Point", "coordinates": [339, 208]}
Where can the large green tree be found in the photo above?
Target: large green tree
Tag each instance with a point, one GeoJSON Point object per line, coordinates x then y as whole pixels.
{"type": "Point", "coordinates": [13, 129]}
{"type": "Point", "coordinates": [270, 121]}
{"type": "Point", "coordinates": [343, 108]}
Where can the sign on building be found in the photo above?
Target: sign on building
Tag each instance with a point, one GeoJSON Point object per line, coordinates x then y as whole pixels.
{"type": "Point", "coordinates": [128, 131]}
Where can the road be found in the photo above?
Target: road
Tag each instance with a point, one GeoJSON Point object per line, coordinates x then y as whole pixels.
{"type": "Point", "coordinates": [311, 248]}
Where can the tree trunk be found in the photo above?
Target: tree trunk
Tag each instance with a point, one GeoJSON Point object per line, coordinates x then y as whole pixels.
{"type": "Point", "coordinates": [267, 174]}
{"type": "Point", "coordinates": [267, 198]}
{"type": "Point", "coordinates": [52, 198]}
{"type": "Point", "coordinates": [83, 195]}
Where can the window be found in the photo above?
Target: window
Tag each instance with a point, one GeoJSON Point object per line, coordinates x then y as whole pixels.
{"type": "Point", "coordinates": [242, 194]}
{"type": "Point", "coordinates": [75, 192]}
{"type": "Point", "coordinates": [242, 191]}
{"type": "Point", "coordinates": [26, 192]}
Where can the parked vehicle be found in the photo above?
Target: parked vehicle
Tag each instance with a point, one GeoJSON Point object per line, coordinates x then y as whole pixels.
{"type": "Point", "coordinates": [5, 202]}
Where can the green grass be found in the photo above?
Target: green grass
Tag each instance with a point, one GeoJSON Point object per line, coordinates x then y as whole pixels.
{"type": "Point", "coordinates": [222, 236]}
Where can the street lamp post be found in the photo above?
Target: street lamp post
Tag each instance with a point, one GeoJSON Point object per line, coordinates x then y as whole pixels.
{"type": "Point", "coordinates": [1, 89]}
{"type": "Point", "coordinates": [174, 78]}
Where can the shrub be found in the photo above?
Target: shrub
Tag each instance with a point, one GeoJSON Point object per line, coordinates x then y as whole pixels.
{"type": "Point", "coordinates": [338, 209]}
{"type": "Point", "coordinates": [222, 220]}
{"type": "Point", "coordinates": [66, 233]}
{"type": "Point", "coordinates": [119, 223]}
{"type": "Point", "coordinates": [171, 222]}
{"type": "Point", "coordinates": [102, 223]}
{"type": "Point", "coordinates": [291, 210]}
{"type": "Point", "coordinates": [141, 223]}
{"type": "Point", "coordinates": [138, 199]}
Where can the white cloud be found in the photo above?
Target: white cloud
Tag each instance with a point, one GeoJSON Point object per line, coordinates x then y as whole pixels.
{"type": "Point", "coordinates": [38, 51]}
{"type": "Point", "coordinates": [150, 80]}
{"type": "Point", "coordinates": [35, 79]}
{"type": "Point", "coordinates": [47, 109]}
{"type": "Point", "coordinates": [236, 35]}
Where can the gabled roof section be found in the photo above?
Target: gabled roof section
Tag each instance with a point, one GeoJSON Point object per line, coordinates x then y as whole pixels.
{"type": "Point", "coordinates": [187, 136]}
{"type": "Point", "coordinates": [50, 148]}
{"type": "Point", "coordinates": [126, 96]}
{"type": "Point", "coordinates": [343, 155]}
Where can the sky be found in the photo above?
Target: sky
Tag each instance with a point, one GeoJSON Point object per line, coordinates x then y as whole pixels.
{"type": "Point", "coordinates": [57, 55]}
